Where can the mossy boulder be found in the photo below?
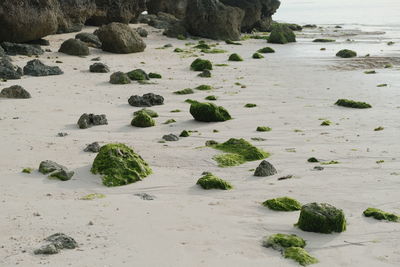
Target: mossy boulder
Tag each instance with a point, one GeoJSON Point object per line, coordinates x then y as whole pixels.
{"type": "Point", "coordinates": [119, 78]}
{"type": "Point", "coordinates": [184, 133]}
{"type": "Point", "coordinates": [153, 75]}
{"type": "Point", "coordinates": [208, 112]}
{"type": "Point", "coordinates": [282, 204]}
{"type": "Point", "coordinates": [321, 218]}
{"type": "Point", "coordinates": [381, 215]}
{"type": "Point", "coordinates": [201, 64]}
{"type": "Point", "coordinates": [205, 74]}
{"type": "Point", "coordinates": [138, 75]}
{"type": "Point", "coordinates": [263, 129]}
{"type": "Point", "coordinates": [210, 181]}
{"type": "Point", "coordinates": [238, 151]}
{"type": "Point", "coordinates": [281, 34]}
{"type": "Point", "coordinates": [143, 120]}
{"type": "Point", "coordinates": [282, 241]}
{"type": "Point", "coordinates": [235, 57]}
{"type": "Point", "coordinates": [352, 104]}
{"type": "Point", "coordinates": [346, 53]}
{"type": "Point", "coordinates": [149, 112]}
{"type": "Point", "coordinates": [185, 91]}
{"type": "Point", "coordinates": [257, 56]}
{"type": "Point", "coordinates": [204, 87]}
{"type": "Point", "coordinates": [266, 50]}
{"type": "Point", "coordinates": [211, 98]}
{"type": "Point", "coordinates": [299, 255]}
{"type": "Point", "coordinates": [119, 165]}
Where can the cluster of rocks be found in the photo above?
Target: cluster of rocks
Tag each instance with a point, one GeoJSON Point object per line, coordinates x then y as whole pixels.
{"type": "Point", "coordinates": [88, 120]}
{"type": "Point", "coordinates": [55, 243]}
{"type": "Point", "coordinates": [34, 67]}
{"type": "Point", "coordinates": [147, 100]}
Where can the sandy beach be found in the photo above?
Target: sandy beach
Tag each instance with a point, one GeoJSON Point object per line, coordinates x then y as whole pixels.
{"type": "Point", "coordinates": [295, 90]}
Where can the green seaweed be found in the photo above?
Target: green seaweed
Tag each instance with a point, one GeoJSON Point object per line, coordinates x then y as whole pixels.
{"type": "Point", "coordinates": [204, 87]}
{"type": "Point", "coordinates": [93, 196]}
{"type": "Point", "coordinates": [281, 34]}
{"type": "Point", "coordinates": [213, 51]}
{"type": "Point", "coordinates": [381, 215]}
{"type": "Point", "coordinates": [143, 120]}
{"type": "Point", "coordinates": [250, 105]}
{"type": "Point", "coordinates": [149, 112]}
{"type": "Point", "coordinates": [208, 112]}
{"type": "Point", "coordinates": [178, 50]}
{"type": "Point", "coordinates": [119, 78]}
{"type": "Point", "coordinates": [313, 159]}
{"type": "Point", "coordinates": [235, 57]}
{"type": "Point", "coordinates": [184, 133]}
{"type": "Point", "coordinates": [346, 53]}
{"type": "Point", "coordinates": [169, 121]}
{"type": "Point", "coordinates": [175, 111]}
{"type": "Point", "coordinates": [153, 75]}
{"type": "Point", "coordinates": [27, 170]}
{"type": "Point", "coordinates": [300, 255]}
{"type": "Point", "coordinates": [266, 50]}
{"type": "Point", "coordinates": [370, 72]}
{"type": "Point", "coordinates": [382, 85]}
{"type": "Point", "coordinates": [263, 129]}
{"type": "Point", "coordinates": [221, 65]}
{"type": "Point", "coordinates": [201, 64]}
{"type": "Point", "coordinates": [332, 162]}
{"type": "Point", "coordinates": [138, 75]}
{"type": "Point", "coordinates": [257, 56]}
{"type": "Point", "coordinates": [380, 128]}
{"type": "Point", "coordinates": [282, 204]}
{"type": "Point", "coordinates": [282, 241]}
{"type": "Point", "coordinates": [229, 160]}
{"type": "Point", "coordinates": [326, 123]}
{"type": "Point", "coordinates": [211, 98]}
{"type": "Point", "coordinates": [119, 165]}
{"type": "Point", "coordinates": [185, 91]}
{"type": "Point", "coordinates": [210, 181]}
{"type": "Point", "coordinates": [352, 104]}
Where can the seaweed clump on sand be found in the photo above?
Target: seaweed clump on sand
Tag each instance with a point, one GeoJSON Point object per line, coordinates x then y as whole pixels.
{"type": "Point", "coordinates": [257, 56]}
{"type": "Point", "coordinates": [143, 120]}
{"type": "Point", "coordinates": [185, 91]}
{"type": "Point", "coordinates": [208, 112]}
{"type": "Point", "coordinates": [263, 129]}
{"type": "Point", "coordinates": [352, 104]}
{"type": "Point", "coordinates": [235, 57]}
{"type": "Point", "coordinates": [201, 64]}
{"type": "Point", "coordinates": [281, 34]}
{"type": "Point", "coordinates": [149, 112]}
{"type": "Point", "coordinates": [153, 75]}
{"type": "Point", "coordinates": [138, 75]}
{"type": "Point", "coordinates": [381, 215]}
{"type": "Point", "coordinates": [204, 87]}
{"type": "Point", "coordinates": [282, 241]}
{"type": "Point", "coordinates": [323, 40]}
{"type": "Point", "coordinates": [346, 53]}
{"type": "Point", "coordinates": [321, 218]}
{"type": "Point", "coordinates": [210, 181]}
{"type": "Point", "coordinates": [238, 151]}
{"type": "Point", "coordinates": [211, 98]}
{"type": "Point", "coordinates": [266, 50]}
{"type": "Point", "coordinates": [119, 165]}
{"type": "Point", "coordinates": [300, 255]}
{"type": "Point", "coordinates": [282, 204]}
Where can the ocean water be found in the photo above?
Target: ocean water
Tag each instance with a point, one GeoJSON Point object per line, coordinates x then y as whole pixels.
{"type": "Point", "coordinates": [340, 12]}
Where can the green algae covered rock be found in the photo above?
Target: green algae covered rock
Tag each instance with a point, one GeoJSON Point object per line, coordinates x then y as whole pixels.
{"type": "Point", "coordinates": [185, 91]}
{"type": "Point", "coordinates": [323, 40]}
{"type": "Point", "coordinates": [381, 215]}
{"type": "Point", "coordinates": [238, 152]}
{"type": "Point", "coordinates": [153, 75]}
{"type": "Point", "coordinates": [138, 75]}
{"type": "Point", "coordinates": [149, 112]}
{"type": "Point", "coordinates": [352, 104]}
{"type": "Point", "coordinates": [266, 50]}
{"type": "Point", "coordinates": [208, 112]}
{"type": "Point", "coordinates": [119, 78]}
{"type": "Point", "coordinates": [257, 56]}
{"type": "Point", "coordinates": [281, 34]}
{"type": "Point", "coordinates": [263, 129]}
{"type": "Point", "coordinates": [143, 120]}
{"type": "Point", "coordinates": [300, 255]}
{"type": "Point", "coordinates": [235, 57]}
{"type": "Point", "coordinates": [184, 133]}
{"type": "Point", "coordinates": [204, 87]}
{"type": "Point", "coordinates": [201, 64]}
{"type": "Point", "coordinates": [119, 165]}
{"type": "Point", "coordinates": [282, 204]}
{"type": "Point", "coordinates": [346, 53]}
{"type": "Point", "coordinates": [321, 218]}
{"type": "Point", "coordinates": [210, 181]}
{"type": "Point", "coordinates": [211, 98]}
{"type": "Point", "coordinates": [282, 241]}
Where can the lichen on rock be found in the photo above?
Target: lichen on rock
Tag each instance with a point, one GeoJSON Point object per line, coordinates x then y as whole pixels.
{"type": "Point", "coordinates": [119, 165]}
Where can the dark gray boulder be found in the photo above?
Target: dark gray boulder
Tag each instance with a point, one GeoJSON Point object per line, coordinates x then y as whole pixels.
{"type": "Point", "coordinates": [120, 38]}
{"type": "Point", "coordinates": [15, 91]}
{"type": "Point", "coordinates": [55, 170]}
{"type": "Point", "coordinates": [41, 42]}
{"type": "Point", "coordinates": [13, 49]}
{"type": "Point", "coordinates": [89, 38]}
{"type": "Point", "coordinates": [93, 147]}
{"type": "Point", "coordinates": [8, 71]}
{"type": "Point", "coordinates": [147, 100]}
{"type": "Point", "coordinates": [265, 169]}
{"type": "Point", "coordinates": [212, 19]}
{"type": "Point", "coordinates": [99, 68]}
{"type": "Point", "coordinates": [74, 47]}
{"type": "Point", "coordinates": [37, 68]}
{"type": "Point", "coordinates": [88, 120]}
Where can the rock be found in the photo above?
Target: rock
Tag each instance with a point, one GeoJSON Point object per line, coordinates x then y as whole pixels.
{"type": "Point", "coordinates": [145, 196]}
{"type": "Point", "coordinates": [210, 181]}
{"type": "Point", "coordinates": [282, 241]}
{"type": "Point", "coordinates": [265, 169]}
{"type": "Point", "coordinates": [321, 218]}
{"type": "Point", "coordinates": [72, 14]}
{"type": "Point", "coordinates": [184, 133]}
{"type": "Point", "coordinates": [346, 53]}
{"type": "Point", "coordinates": [201, 65]}
{"type": "Point", "coordinates": [153, 75]}
{"type": "Point", "coordinates": [281, 34]}
{"type": "Point", "coordinates": [55, 170]}
{"type": "Point", "coordinates": [149, 112]}
{"type": "Point", "coordinates": [282, 204]}
{"type": "Point", "coordinates": [143, 120]}
{"type": "Point", "coordinates": [88, 120]}
{"type": "Point", "coordinates": [123, 11]}
{"type": "Point", "coordinates": [208, 112]}
{"type": "Point", "coordinates": [142, 32]}
{"type": "Point", "coordinates": [120, 38]}
{"type": "Point", "coordinates": [15, 91]}
{"type": "Point", "coordinates": [89, 39]}
{"type": "Point", "coordinates": [119, 78]}
{"type": "Point", "coordinates": [93, 147]}
{"type": "Point", "coordinates": [235, 57]}
{"type": "Point", "coordinates": [175, 7]}
{"type": "Point", "coordinates": [74, 47]}
{"type": "Point", "coordinates": [2, 52]}
{"type": "Point", "coordinates": [8, 71]}
{"type": "Point", "coordinates": [138, 75]}
{"type": "Point", "coordinates": [170, 137]}
{"type": "Point", "coordinates": [37, 68]}
{"type": "Point", "coordinates": [96, 59]}
{"type": "Point", "coordinates": [212, 19]}
{"type": "Point", "coordinates": [318, 168]}
{"type": "Point", "coordinates": [147, 100]}
{"type": "Point", "coordinates": [99, 68]}
{"type": "Point", "coordinates": [13, 49]}
{"type": "Point", "coordinates": [55, 243]}
{"type": "Point", "coordinates": [119, 165]}
{"type": "Point", "coordinates": [205, 74]}
{"type": "Point", "coordinates": [62, 134]}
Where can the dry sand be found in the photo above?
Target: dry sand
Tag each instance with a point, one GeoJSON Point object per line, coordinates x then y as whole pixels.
{"type": "Point", "coordinates": [185, 225]}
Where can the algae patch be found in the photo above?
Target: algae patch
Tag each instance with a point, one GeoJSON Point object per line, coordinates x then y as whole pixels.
{"type": "Point", "coordinates": [381, 215]}
{"type": "Point", "coordinates": [282, 204]}
{"type": "Point", "coordinates": [119, 165]}
{"type": "Point", "coordinates": [93, 196]}
{"type": "Point", "coordinates": [283, 241]}
{"type": "Point", "coordinates": [300, 255]}
{"type": "Point", "coordinates": [210, 181]}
